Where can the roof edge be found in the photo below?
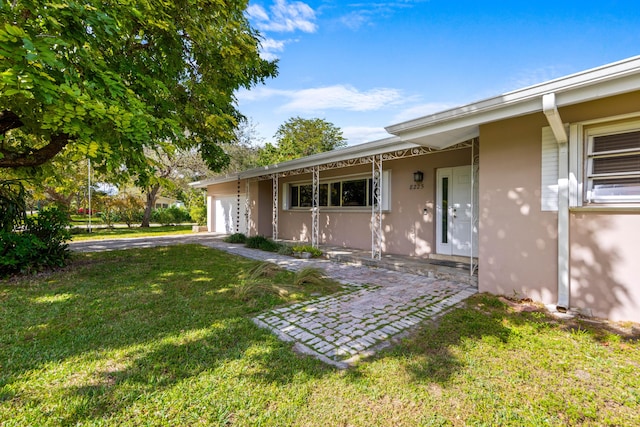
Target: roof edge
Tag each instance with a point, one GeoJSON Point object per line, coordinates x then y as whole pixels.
{"type": "Point", "coordinates": [366, 149]}
{"type": "Point", "coordinates": [577, 80]}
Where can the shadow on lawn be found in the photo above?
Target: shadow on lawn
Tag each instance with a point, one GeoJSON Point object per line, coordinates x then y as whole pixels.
{"type": "Point", "coordinates": [437, 350]}
{"type": "Point", "coordinates": [141, 324]}
{"type": "Point", "coordinates": [433, 344]}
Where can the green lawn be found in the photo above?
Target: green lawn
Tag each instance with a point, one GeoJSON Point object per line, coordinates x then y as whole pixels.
{"type": "Point", "coordinates": [111, 233]}
{"type": "Point", "coordinates": [161, 337]}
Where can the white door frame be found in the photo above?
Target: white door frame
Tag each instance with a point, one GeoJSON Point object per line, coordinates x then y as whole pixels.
{"type": "Point", "coordinates": [454, 222]}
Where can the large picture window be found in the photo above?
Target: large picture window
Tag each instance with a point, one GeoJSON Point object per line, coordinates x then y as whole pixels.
{"type": "Point", "coordinates": [613, 165]}
{"type": "Point", "coordinates": [352, 192]}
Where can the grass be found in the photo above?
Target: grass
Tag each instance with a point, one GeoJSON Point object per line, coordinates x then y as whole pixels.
{"type": "Point", "coordinates": [159, 337]}
{"type": "Point", "coordinates": [84, 219]}
{"type": "Point", "coordinates": [111, 233]}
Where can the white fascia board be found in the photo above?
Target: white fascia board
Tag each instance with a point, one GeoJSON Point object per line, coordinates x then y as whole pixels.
{"type": "Point", "coordinates": [218, 180]}
{"type": "Point", "coordinates": [361, 150]}
{"type": "Point", "coordinates": [607, 80]}
{"type": "Point", "coordinates": [343, 154]}
{"type": "Point", "coordinates": [467, 121]}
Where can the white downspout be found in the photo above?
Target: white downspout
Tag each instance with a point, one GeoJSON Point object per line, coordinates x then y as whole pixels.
{"type": "Point", "coordinates": [550, 110]}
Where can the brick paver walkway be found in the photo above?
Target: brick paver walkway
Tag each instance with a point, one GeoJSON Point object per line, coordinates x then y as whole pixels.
{"type": "Point", "coordinates": [376, 306]}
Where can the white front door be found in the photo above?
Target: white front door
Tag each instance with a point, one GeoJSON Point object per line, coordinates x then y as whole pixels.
{"type": "Point", "coordinates": [454, 212]}
{"type": "Point", "coordinates": [226, 213]}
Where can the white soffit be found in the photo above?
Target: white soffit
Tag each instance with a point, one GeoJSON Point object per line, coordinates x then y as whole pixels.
{"type": "Point", "coordinates": [445, 128]}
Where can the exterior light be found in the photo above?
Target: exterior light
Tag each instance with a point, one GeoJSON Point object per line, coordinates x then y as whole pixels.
{"type": "Point", "coordinates": [418, 176]}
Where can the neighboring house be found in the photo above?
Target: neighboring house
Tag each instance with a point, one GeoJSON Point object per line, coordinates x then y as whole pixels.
{"type": "Point", "coordinates": [541, 186]}
{"type": "Point", "coordinates": [165, 202]}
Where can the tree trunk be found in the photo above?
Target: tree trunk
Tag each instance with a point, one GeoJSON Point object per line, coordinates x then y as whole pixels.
{"type": "Point", "coordinates": [152, 195]}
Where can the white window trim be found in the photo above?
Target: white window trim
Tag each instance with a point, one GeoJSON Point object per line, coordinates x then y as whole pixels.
{"type": "Point", "coordinates": [386, 193]}
{"type": "Point", "coordinates": [587, 131]}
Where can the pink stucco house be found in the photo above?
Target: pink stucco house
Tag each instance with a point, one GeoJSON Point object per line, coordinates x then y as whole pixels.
{"type": "Point", "coordinates": [539, 188]}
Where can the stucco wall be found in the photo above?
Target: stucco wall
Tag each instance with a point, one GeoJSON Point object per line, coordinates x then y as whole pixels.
{"type": "Point", "coordinates": [264, 212]}
{"type": "Point", "coordinates": [605, 264]}
{"type": "Point", "coordinates": [518, 242]}
{"type": "Point", "coordinates": [407, 230]}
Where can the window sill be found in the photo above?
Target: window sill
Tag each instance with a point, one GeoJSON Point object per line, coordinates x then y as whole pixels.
{"type": "Point", "coordinates": [335, 210]}
{"type": "Point", "coordinates": [611, 207]}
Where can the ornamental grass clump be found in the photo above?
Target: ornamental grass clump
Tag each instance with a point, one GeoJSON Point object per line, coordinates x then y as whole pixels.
{"type": "Point", "coordinates": [261, 280]}
{"type": "Point", "coordinates": [235, 238]}
{"type": "Point", "coordinates": [262, 243]}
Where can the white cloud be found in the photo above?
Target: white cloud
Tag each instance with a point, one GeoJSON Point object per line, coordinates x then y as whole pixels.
{"type": "Point", "coordinates": [422, 110]}
{"type": "Point", "coordinates": [365, 13]}
{"type": "Point", "coordinates": [269, 47]}
{"type": "Point", "coordinates": [361, 134]}
{"type": "Point", "coordinates": [337, 97]}
{"type": "Point", "coordinates": [257, 12]}
{"type": "Point", "coordinates": [284, 17]}
{"type": "Point", "coordinates": [341, 97]}
{"type": "Point", "coordinates": [534, 76]}
{"type": "Point", "coordinates": [356, 19]}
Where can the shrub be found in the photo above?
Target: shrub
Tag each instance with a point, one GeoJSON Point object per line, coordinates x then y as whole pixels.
{"type": "Point", "coordinates": [199, 214]}
{"type": "Point", "coordinates": [170, 215]}
{"type": "Point", "coordinates": [285, 250]}
{"type": "Point", "coordinates": [315, 252]}
{"type": "Point", "coordinates": [129, 209]}
{"type": "Point", "coordinates": [41, 243]}
{"type": "Point", "coordinates": [236, 238]}
{"type": "Point", "coordinates": [12, 204]}
{"type": "Point", "coordinates": [109, 217]}
{"type": "Point", "coordinates": [262, 243]}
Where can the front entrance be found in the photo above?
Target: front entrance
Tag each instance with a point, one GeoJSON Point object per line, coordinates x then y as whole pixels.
{"type": "Point", "coordinates": [454, 212]}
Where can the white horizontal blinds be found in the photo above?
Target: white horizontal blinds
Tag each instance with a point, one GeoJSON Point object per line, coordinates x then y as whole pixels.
{"type": "Point", "coordinates": [549, 175]}
{"type": "Point", "coordinates": [613, 165]}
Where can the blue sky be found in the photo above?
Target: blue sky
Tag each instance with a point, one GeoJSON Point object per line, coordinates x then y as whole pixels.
{"type": "Point", "coordinates": [366, 65]}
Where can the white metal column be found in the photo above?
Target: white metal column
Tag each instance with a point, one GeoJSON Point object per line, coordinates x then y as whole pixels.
{"type": "Point", "coordinates": [475, 214]}
{"type": "Point", "coordinates": [237, 227]}
{"type": "Point", "coordinates": [376, 207]}
{"type": "Point", "coordinates": [275, 207]}
{"type": "Point", "coordinates": [247, 208]}
{"type": "Point", "coordinates": [315, 205]}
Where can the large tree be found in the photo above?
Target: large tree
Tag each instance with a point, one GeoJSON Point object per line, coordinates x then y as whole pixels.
{"type": "Point", "coordinates": [299, 137]}
{"type": "Point", "coordinates": [107, 79]}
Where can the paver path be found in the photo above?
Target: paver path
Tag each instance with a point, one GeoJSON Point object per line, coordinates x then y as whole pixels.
{"type": "Point", "coordinates": [376, 306]}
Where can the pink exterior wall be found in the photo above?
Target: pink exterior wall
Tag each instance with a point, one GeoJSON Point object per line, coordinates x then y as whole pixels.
{"type": "Point", "coordinates": [605, 264]}
{"type": "Point", "coordinates": [407, 230]}
{"type": "Point", "coordinates": [264, 207]}
{"type": "Point", "coordinates": [517, 241]}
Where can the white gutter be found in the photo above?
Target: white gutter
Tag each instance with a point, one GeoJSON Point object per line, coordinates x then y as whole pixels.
{"type": "Point", "coordinates": [550, 110]}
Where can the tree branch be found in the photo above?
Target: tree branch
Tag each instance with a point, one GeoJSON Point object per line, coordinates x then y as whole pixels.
{"type": "Point", "coordinates": [9, 120]}
{"type": "Point", "coordinates": [13, 159]}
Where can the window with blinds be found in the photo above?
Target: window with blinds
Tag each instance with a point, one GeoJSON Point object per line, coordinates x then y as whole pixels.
{"type": "Point", "coordinates": [613, 167]}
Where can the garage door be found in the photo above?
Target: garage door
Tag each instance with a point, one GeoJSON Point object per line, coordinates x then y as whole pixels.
{"type": "Point", "coordinates": [225, 211]}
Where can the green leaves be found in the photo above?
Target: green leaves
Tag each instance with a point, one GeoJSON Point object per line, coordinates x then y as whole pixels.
{"type": "Point", "coordinates": [299, 137]}
{"type": "Point", "coordinates": [123, 76]}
